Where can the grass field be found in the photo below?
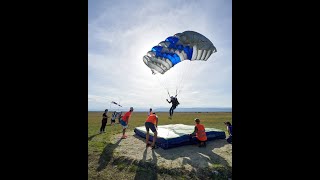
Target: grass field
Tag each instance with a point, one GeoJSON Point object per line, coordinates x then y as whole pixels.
{"type": "Point", "coordinates": [100, 150]}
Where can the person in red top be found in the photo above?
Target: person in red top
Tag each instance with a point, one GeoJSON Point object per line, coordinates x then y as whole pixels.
{"type": "Point", "coordinates": [151, 123]}
{"type": "Point", "coordinates": [200, 133]}
{"type": "Point", "coordinates": [124, 122]}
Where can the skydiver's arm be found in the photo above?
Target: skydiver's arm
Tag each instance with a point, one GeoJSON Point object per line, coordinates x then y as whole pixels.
{"type": "Point", "coordinates": [168, 101]}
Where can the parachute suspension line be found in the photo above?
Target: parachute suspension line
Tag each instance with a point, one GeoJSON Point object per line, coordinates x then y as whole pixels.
{"type": "Point", "coordinates": [168, 87]}
{"type": "Point", "coordinates": [179, 84]}
{"type": "Point", "coordinates": [189, 68]}
{"type": "Point", "coordinates": [161, 83]}
{"type": "Point", "coordinates": [185, 74]}
{"type": "Point", "coordinates": [182, 75]}
{"type": "Point", "coordinates": [168, 94]}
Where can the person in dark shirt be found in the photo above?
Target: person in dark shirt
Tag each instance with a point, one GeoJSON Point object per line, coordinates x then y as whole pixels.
{"type": "Point", "coordinates": [104, 121]}
{"type": "Point", "coordinates": [175, 103]}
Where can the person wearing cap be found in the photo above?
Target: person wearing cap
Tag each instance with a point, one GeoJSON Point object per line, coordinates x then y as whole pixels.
{"type": "Point", "coordinates": [104, 121]}
{"type": "Point", "coordinates": [151, 123]}
{"type": "Point", "coordinates": [229, 129]}
{"type": "Point", "coordinates": [124, 122]}
{"type": "Point", "coordinates": [200, 133]}
{"type": "Point", "coordinates": [175, 103]}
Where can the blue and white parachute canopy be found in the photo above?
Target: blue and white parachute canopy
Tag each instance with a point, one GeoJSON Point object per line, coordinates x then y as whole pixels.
{"type": "Point", "coordinates": [188, 45]}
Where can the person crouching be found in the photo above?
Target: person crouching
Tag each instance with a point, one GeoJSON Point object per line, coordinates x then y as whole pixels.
{"type": "Point", "coordinates": [200, 133]}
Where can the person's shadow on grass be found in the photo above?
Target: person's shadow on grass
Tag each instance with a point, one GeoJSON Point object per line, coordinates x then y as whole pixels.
{"type": "Point", "coordinates": [197, 157]}
{"type": "Point", "coordinates": [92, 136]}
{"type": "Point", "coordinates": [147, 170]}
{"type": "Point", "coordinates": [106, 155]}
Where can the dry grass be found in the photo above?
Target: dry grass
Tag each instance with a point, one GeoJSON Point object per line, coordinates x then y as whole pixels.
{"type": "Point", "coordinates": [106, 161]}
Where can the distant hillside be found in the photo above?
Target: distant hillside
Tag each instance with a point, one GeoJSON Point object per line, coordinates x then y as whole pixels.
{"type": "Point", "coordinates": [179, 109]}
{"type": "Point", "coordinates": [195, 109]}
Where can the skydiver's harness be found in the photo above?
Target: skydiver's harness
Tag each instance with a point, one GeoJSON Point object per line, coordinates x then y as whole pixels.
{"type": "Point", "coordinates": [175, 102]}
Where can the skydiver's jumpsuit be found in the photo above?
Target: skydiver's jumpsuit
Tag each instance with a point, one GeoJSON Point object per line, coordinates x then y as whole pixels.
{"type": "Point", "coordinates": [175, 103]}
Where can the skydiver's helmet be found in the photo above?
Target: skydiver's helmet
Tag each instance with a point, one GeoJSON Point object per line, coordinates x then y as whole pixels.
{"type": "Point", "coordinates": [197, 120]}
{"type": "Point", "coordinates": [131, 108]}
{"type": "Point", "coordinates": [106, 110]}
{"type": "Point", "coordinates": [171, 97]}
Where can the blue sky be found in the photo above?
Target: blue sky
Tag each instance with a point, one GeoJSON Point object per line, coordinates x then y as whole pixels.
{"type": "Point", "coordinates": [121, 32]}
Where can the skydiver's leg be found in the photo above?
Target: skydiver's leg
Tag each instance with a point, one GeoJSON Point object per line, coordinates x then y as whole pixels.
{"type": "Point", "coordinates": [171, 111]}
{"type": "Point", "coordinates": [173, 108]}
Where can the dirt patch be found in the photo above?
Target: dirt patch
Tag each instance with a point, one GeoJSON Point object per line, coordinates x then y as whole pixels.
{"type": "Point", "coordinates": [189, 157]}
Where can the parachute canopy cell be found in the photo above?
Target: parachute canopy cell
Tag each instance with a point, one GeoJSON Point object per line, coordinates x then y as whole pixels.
{"type": "Point", "coordinates": [188, 45]}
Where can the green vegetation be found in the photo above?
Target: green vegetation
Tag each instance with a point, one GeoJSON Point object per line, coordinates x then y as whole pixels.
{"type": "Point", "coordinates": [102, 165]}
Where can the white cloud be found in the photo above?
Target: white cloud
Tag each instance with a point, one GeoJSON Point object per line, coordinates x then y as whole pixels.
{"type": "Point", "coordinates": [122, 33]}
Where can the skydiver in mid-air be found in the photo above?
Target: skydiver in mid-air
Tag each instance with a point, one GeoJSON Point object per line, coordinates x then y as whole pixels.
{"type": "Point", "coordinates": [175, 103]}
